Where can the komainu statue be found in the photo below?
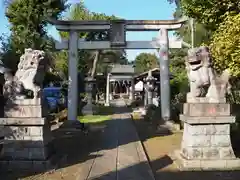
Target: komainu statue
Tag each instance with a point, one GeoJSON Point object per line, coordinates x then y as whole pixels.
{"type": "Point", "coordinates": [29, 76]}
{"type": "Point", "coordinates": [204, 82]}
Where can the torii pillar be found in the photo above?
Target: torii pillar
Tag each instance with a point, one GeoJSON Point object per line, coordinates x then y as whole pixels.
{"type": "Point", "coordinates": [73, 76]}
{"type": "Point", "coordinates": [163, 41]}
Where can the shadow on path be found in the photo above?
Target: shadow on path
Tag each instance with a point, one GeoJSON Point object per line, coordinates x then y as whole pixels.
{"type": "Point", "coordinates": [79, 149]}
{"type": "Point", "coordinates": [79, 152]}
{"type": "Point", "coordinates": [172, 175]}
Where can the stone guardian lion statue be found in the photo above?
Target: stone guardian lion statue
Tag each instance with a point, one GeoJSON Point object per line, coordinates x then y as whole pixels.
{"type": "Point", "coordinates": [29, 76]}
{"type": "Point", "coordinates": [203, 80]}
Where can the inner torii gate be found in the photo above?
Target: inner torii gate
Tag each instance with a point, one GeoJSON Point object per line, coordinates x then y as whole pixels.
{"type": "Point", "coordinates": [118, 30]}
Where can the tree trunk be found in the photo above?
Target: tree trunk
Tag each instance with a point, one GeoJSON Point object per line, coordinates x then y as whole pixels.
{"type": "Point", "coordinates": [94, 65]}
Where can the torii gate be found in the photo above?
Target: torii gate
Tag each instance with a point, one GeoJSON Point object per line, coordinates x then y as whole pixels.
{"type": "Point", "coordinates": [118, 30]}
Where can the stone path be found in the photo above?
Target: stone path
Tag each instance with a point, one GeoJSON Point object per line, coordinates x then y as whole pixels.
{"type": "Point", "coordinates": [116, 153]}
{"type": "Point", "coordinates": [123, 157]}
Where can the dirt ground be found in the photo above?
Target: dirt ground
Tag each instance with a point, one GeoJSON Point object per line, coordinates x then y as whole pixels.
{"type": "Point", "coordinates": [72, 150]}
{"type": "Point", "coordinates": [159, 148]}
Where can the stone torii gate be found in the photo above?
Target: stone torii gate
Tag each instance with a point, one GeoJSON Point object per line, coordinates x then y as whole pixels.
{"type": "Point", "coordinates": [118, 30]}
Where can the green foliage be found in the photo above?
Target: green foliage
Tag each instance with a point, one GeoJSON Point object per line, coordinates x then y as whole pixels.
{"type": "Point", "coordinates": [179, 83]}
{"type": "Point", "coordinates": [234, 97]}
{"type": "Point", "coordinates": [217, 25]}
{"type": "Point", "coordinates": [8, 53]}
{"type": "Point", "coordinates": [210, 13]}
{"type": "Point", "coordinates": [94, 118]}
{"type": "Point", "coordinates": [225, 46]}
{"type": "Point", "coordinates": [152, 115]}
{"type": "Point", "coordinates": [28, 22]}
{"type": "Point", "coordinates": [145, 61]}
{"type": "Point", "coordinates": [86, 58]}
{"type": "Point", "coordinates": [28, 19]}
{"type": "Point", "coordinates": [202, 35]}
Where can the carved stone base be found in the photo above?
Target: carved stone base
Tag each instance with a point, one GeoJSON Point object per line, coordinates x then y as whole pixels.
{"type": "Point", "coordinates": [106, 104]}
{"type": "Point", "coordinates": [88, 109]}
{"type": "Point", "coordinates": [206, 142]}
{"type": "Point", "coordinates": [200, 165]}
{"type": "Point", "coordinates": [29, 165]}
{"type": "Point", "coordinates": [27, 143]}
{"type": "Point", "coordinates": [25, 108]}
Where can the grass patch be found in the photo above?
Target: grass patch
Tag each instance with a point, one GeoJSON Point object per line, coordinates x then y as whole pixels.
{"type": "Point", "coordinates": [94, 118]}
{"type": "Point", "coordinates": [136, 116]}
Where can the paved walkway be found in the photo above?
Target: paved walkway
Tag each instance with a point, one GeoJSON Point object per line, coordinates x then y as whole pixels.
{"type": "Point", "coordinates": [122, 157]}
{"type": "Point", "coordinates": [115, 153]}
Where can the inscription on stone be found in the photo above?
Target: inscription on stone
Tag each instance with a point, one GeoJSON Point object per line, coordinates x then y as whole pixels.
{"type": "Point", "coordinates": [212, 110]}
{"type": "Point", "coordinates": [118, 34]}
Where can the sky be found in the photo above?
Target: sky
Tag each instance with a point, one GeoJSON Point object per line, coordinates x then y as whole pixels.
{"type": "Point", "coordinates": [126, 9]}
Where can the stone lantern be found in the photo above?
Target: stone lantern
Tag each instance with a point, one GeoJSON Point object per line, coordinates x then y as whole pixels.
{"type": "Point", "coordinates": [88, 109]}
{"type": "Point", "coordinates": [149, 88]}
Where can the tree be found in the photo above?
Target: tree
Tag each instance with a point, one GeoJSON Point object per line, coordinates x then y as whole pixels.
{"type": "Point", "coordinates": [8, 53]}
{"type": "Point", "coordinates": [221, 21]}
{"type": "Point", "coordinates": [209, 13]}
{"type": "Point", "coordinates": [28, 19]}
{"type": "Point", "coordinates": [202, 35]}
{"type": "Point", "coordinates": [225, 45]}
{"type": "Point", "coordinates": [145, 61]}
{"type": "Point", "coordinates": [177, 69]}
{"type": "Point", "coordinates": [91, 61]}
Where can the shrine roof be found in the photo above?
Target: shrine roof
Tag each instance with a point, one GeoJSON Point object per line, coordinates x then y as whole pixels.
{"type": "Point", "coordinates": [155, 71]}
{"type": "Point", "coordinates": [122, 69]}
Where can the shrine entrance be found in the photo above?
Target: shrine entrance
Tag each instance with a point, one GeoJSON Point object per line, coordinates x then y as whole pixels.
{"type": "Point", "coordinates": [123, 76]}
{"type": "Point", "coordinates": [117, 29]}
{"type": "Point", "coordinates": [119, 86]}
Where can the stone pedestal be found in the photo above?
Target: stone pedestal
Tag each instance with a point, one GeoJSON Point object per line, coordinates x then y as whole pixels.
{"type": "Point", "coordinates": [27, 136]}
{"type": "Point", "coordinates": [110, 97]}
{"type": "Point", "coordinates": [206, 142]}
{"type": "Point", "coordinates": [149, 87]}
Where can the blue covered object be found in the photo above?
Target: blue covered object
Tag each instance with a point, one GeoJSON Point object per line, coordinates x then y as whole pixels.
{"type": "Point", "coordinates": [55, 98]}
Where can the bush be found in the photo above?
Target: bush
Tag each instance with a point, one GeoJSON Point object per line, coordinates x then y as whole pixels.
{"type": "Point", "coordinates": [179, 90]}
{"type": "Point", "coordinates": [151, 113]}
{"type": "Point", "coordinates": [176, 105]}
{"type": "Point", "coordinates": [225, 46]}
{"type": "Point", "coordinates": [234, 97]}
